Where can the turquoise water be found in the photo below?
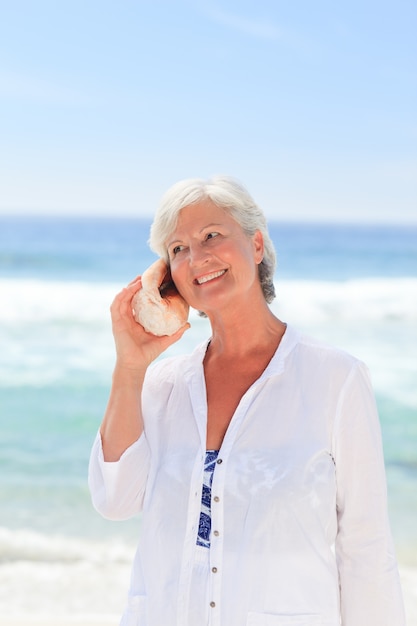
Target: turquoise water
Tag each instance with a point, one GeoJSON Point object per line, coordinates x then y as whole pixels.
{"type": "Point", "coordinates": [353, 286]}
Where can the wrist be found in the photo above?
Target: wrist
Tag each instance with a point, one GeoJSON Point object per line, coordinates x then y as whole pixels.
{"type": "Point", "coordinates": [124, 372]}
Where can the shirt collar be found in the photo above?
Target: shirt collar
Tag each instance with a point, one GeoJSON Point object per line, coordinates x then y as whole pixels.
{"type": "Point", "coordinates": [275, 366]}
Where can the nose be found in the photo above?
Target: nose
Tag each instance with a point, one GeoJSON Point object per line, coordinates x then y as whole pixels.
{"type": "Point", "coordinates": [198, 255]}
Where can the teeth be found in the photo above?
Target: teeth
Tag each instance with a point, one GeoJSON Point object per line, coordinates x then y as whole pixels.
{"type": "Point", "coordinates": [205, 279]}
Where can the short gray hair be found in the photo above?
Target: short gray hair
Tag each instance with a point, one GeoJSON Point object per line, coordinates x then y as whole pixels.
{"type": "Point", "coordinates": [228, 194]}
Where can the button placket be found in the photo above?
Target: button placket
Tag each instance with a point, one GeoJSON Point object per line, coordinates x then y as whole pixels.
{"type": "Point", "coordinates": [216, 549]}
{"type": "Point", "coordinates": [194, 507]}
{"type": "Point", "coordinates": [217, 509]}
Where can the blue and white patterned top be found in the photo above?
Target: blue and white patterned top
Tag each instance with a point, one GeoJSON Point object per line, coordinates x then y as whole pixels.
{"type": "Point", "coordinates": [204, 528]}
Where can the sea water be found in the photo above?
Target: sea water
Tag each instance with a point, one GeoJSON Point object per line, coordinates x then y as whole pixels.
{"type": "Point", "coordinates": [352, 286]}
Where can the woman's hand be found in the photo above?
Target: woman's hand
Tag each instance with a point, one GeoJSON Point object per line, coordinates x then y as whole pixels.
{"type": "Point", "coordinates": [123, 421]}
{"type": "Point", "coordinates": [135, 347]}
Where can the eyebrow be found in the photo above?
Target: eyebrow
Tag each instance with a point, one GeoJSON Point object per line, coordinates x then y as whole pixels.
{"type": "Point", "coordinates": [211, 225]}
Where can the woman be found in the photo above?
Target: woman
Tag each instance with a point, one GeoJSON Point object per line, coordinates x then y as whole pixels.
{"type": "Point", "coordinates": [256, 461]}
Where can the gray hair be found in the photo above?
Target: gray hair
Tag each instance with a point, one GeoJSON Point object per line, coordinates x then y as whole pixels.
{"type": "Point", "coordinates": [228, 194]}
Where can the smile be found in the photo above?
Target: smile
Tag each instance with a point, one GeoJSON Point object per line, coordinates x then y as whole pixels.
{"type": "Point", "coordinates": [208, 277]}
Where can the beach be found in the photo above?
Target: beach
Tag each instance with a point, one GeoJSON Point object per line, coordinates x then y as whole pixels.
{"type": "Point", "coordinates": [60, 562]}
{"type": "Point", "coordinates": [57, 621]}
{"type": "Point", "coordinates": [408, 579]}
{"type": "Point", "coordinates": [409, 586]}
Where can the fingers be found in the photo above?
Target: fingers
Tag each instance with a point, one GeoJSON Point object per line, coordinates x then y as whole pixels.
{"type": "Point", "coordinates": [123, 316]}
{"type": "Point", "coordinates": [177, 335]}
{"type": "Point", "coordinates": [135, 280]}
{"type": "Point", "coordinates": [165, 341]}
{"type": "Point", "coordinates": [183, 329]}
{"type": "Point", "coordinates": [129, 291]}
{"type": "Point", "coordinates": [121, 304]}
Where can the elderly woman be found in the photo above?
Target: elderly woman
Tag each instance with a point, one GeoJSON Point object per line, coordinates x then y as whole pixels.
{"type": "Point", "coordinates": [256, 461]}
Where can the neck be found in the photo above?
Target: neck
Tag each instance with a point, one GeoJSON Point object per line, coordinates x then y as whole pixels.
{"type": "Point", "coordinates": [245, 331]}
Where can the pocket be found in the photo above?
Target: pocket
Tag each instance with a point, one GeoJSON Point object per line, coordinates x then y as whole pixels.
{"type": "Point", "coordinates": [267, 619]}
{"type": "Point", "coordinates": [135, 612]}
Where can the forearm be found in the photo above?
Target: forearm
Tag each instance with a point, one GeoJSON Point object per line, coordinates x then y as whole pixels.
{"type": "Point", "coordinates": [136, 349]}
{"type": "Point", "coordinates": [122, 423]}
{"type": "Point", "coordinates": [368, 573]}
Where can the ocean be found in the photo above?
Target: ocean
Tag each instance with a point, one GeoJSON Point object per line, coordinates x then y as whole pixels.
{"type": "Point", "coordinates": [354, 286]}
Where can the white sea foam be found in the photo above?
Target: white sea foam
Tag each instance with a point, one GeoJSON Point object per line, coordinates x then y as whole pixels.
{"type": "Point", "coordinates": [364, 300]}
{"type": "Point", "coordinates": [25, 545]}
{"type": "Point", "coordinates": [43, 575]}
{"type": "Point", "coordinates": [374, 319]}
{"type": "Point", "coordinates": [54, 576]}
{"type": "Point", "coordinates": [53, 332]}
{"type": "Point", "coordinates": [36, 301]}
{"type": "Point", "coordinates": [52, 329]}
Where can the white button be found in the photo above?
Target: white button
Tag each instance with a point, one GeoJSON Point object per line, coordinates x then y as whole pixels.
{"type": "Point", "coordinates": [212, 604]}
{"type": "Point", "coordinates": [216, 499]}
{"type": "Point", "coordinates": [216, 533]}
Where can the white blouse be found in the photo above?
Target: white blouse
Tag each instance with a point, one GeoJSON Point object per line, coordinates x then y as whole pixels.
{"type": "Point", "coordinates": [300, 532]}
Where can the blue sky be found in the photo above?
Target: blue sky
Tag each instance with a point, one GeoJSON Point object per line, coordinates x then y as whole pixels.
{"type": "Point", "coordinates": [312, 105]}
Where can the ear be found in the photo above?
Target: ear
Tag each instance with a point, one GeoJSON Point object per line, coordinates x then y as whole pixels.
{"type": "Point", "coordinates": [258, 246]}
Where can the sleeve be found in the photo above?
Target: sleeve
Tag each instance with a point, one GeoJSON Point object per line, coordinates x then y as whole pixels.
{"type": "Point", "coordinates": [370, 589]}
{"type": "Point", "coordinates": [118, 488]}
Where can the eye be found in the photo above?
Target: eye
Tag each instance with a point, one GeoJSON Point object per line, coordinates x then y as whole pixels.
{"type": "Point", "coordinates": [211, 235]}
{"type": "Point", "coordinates": [177, 249]}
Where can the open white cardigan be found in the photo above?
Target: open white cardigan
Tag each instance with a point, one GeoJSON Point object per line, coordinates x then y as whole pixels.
{"type": "Point", "coordinates": [300, 532]}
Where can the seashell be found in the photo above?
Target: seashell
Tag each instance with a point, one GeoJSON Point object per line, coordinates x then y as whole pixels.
{"type": "Point", "coordinates": [158, 306]}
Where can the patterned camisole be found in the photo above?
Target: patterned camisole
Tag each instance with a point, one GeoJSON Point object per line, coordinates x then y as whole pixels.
{"type": "Point", "coordinates": [204, 529]}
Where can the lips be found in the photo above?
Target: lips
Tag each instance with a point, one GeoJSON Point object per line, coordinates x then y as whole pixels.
{"type": "Point", "coordinates": [208, 277]}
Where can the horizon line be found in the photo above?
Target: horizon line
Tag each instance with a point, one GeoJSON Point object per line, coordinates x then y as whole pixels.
{"type": "Point", "coordinates": [342, 221]}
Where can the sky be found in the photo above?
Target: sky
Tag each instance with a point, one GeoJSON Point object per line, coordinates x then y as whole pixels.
{"type": "Point", "coordinates": [312, 105]}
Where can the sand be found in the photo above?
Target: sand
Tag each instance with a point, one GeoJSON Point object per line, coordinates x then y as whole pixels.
{"type": "Point", "coordinates": [59, 621]}
{"type": "Point", "coordinates": [409, 586]}
{"type": "Point", "coordinates": [408, 579]}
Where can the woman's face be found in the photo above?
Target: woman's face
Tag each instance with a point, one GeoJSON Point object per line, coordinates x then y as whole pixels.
{"type": "Point", "coordinates": [213, 262]}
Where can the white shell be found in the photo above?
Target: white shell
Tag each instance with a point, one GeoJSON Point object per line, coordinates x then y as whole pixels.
{"type": "Point", "coordinates": [158, 315]}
